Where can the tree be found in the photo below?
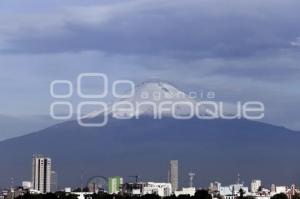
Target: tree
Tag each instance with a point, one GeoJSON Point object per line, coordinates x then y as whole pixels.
{"type": "Point", "coordinates": [150, 196]}
{"type": "Point", "coordinates": [296, 196]}
{"type": "Point", "coordinates": [202, 194]}
{"type": "Point", "coordinates": [241, 192]}
{"type": "Point", "coordinates": [171, 197]}
{"type": "Point", "coordinates": [280, 196]}
{"type": "Point", "coordinates": [184, 196]}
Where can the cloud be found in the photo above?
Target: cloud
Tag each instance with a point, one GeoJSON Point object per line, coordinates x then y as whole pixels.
{"type": "Point", "coordinates": [296, 42]}
{"type": "Point", "coordinates": [240, 49]}
{"type": "Point", "coordinates": [279, 66]}
{"type": "Point", "coordinates": [194, 29]}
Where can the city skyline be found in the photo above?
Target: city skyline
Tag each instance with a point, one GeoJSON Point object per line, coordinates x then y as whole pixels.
{"type": "Point", "coordinates": [42, 184]}
{"type": "Point", "coordinates": [43, 176]}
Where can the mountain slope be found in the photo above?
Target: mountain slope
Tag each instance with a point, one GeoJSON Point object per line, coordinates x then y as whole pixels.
{"type": "Point", "coordinates": [214, 149]}
{"type": "Point", "coordinates": [12, 126]}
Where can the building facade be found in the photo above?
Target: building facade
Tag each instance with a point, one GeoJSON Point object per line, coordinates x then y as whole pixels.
{"type": "Point", "coordinates": [255, 185]}
{"type": "Point", "coordinates": [41, 173]}
{"type": "Point", "coordinates": [115, 184]}
{"type": "Point", "coordinates": [186, 191]}
{"type": "Point", "coordinates": [215, 186]}
{"type": "Point", "coordinates": [160, 189]}
{"type": "Point", "coordinates": [174, 175]}
{"type": "Point", "coordinates": [232, 191]}
{"type": "Point", "coordinates": [54, 182]}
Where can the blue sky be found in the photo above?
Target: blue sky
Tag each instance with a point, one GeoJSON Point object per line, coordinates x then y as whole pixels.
{"type": "Point", "coordinates": [242, 50]}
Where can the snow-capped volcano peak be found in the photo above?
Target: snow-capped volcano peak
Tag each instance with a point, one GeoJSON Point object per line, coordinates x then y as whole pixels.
{"type": "Point", "coordinates": [152, 96]}
{"type": "Point", "coordinates": [158, 92]}
{"type": "Point", "coordinates": [149, 98]}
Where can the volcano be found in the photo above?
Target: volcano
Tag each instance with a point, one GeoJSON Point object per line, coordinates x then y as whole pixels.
{"type": "Point", "coordinates": [216, 150]}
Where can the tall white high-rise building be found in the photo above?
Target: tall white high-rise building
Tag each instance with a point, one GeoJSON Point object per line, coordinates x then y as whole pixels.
{"type": "Point", "coordinates": [174, 175]}
{"type": "Point", "coordinates": [41, 173]}
{"type": "Point", "coordinates": [255, 185]}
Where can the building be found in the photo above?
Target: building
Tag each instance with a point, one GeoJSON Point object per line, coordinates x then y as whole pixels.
{"type": "Point", "coordinates": [273, 188]}
{"type": "Point", "coordinates": [68, 189]}
{"type": "Point", "coordinates": [293, 189]}
{"type": "Point", "coordinates": [281, 189]}
{"type": "Point", "coordinates": [255, 185]}
{"type": "Point", "coordinates": [160, 189]}
{"type": "Point", "coordinates": [186, 191]}
{"type": "Point", "coordinates": [41, 173]}
{"type": "Point", "coordinates": [215, 186]}
{"type": "Point", "coordinates": [54, 182]}
{"type": "Point", "coordinates": [26, 185]}
{"type": "Point", "coordinates": [232, 191]}
{"type": "Point", "coordinates": [174, 175]}
{"type": "Point", "coordinates": [263, 192]}
{"type": "Point", "coordinates": [115, 184]}
{"type": "Point", "coordinates": [133, 189]}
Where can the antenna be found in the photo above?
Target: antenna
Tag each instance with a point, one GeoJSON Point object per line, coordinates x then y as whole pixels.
{"type": "Point", "coordinates": [12, 182]}
{"type": "Point", "coordinates": [81, 179]}
{"type": "Point", "coordinates": [238, 179]}
{"type": "Point", "coordinates": [191, 175]}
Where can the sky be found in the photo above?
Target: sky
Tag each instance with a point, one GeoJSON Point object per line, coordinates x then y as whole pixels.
{"type": "Point", "coordinates": [242, 50]}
